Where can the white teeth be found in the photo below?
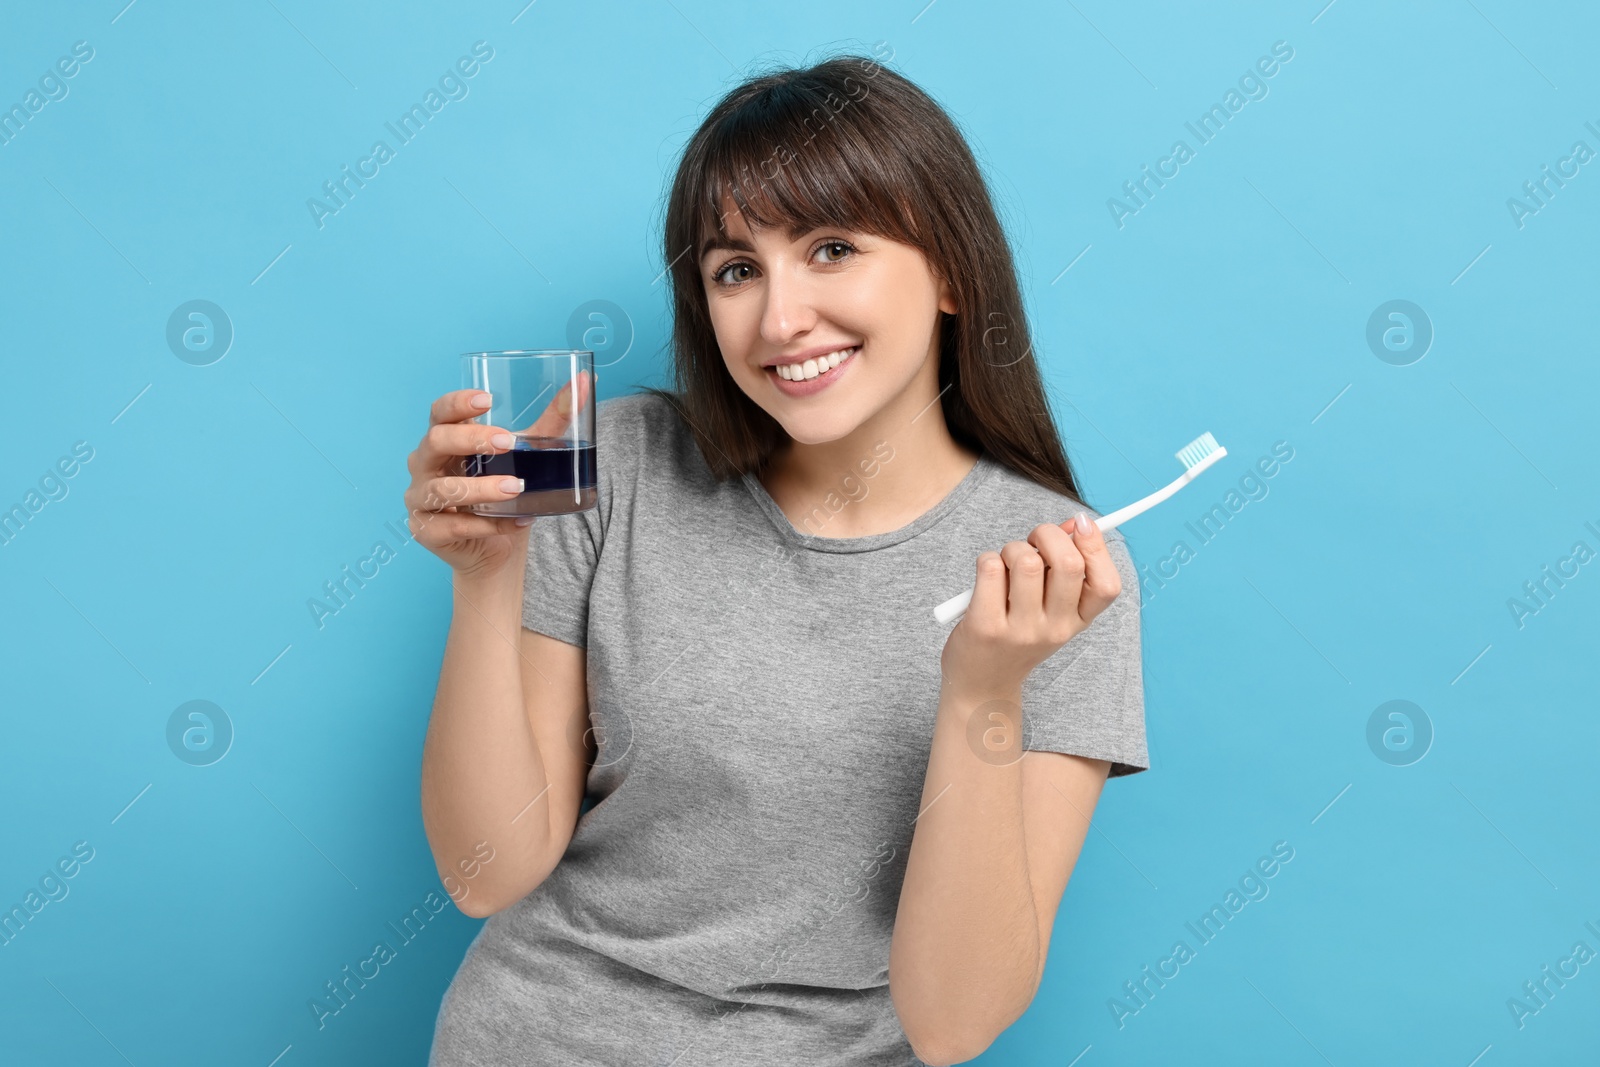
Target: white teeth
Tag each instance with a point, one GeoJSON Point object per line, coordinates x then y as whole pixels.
{"type": "Point", "coordinates": [811, 368]}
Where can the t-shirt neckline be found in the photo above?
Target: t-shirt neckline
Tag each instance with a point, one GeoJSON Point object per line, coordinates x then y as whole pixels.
{"type": "Point", "coordinates": [974, 478]}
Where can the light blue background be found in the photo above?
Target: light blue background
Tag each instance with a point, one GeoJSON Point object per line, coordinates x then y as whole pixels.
{"type": "Point", "coordinates": [1419, 500]}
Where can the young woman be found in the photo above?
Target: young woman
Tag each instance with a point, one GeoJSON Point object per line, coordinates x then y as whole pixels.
{"type": "Point", "coordinates": [826, 829]}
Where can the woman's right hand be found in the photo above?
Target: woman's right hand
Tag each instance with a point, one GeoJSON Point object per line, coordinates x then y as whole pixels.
{"type": "Point", "coordinates": [437, 501]}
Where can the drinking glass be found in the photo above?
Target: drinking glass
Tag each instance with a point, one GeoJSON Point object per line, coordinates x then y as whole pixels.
{"type": "Point", "coordinates": [546, 399]}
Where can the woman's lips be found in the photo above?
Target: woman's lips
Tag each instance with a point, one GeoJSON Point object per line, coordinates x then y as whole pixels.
{"type": "Point", "coordinates": [809, 386]}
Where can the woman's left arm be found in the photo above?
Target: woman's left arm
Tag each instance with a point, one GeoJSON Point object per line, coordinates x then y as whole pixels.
{"type": "Point", "coordinates": [997, 834]}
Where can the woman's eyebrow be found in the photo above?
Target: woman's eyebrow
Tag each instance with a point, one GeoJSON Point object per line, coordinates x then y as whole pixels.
{"type": "Point", "coordinates": [794, 231]}
{"type": "Point", "coordinates": [735, 244]}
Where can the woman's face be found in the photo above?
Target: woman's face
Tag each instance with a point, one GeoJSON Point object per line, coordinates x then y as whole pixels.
{"type": "Point", "coordinates": [871, 300]}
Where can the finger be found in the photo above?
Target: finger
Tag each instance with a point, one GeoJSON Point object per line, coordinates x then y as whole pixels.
{"type": "Point", "coordinates": [988, 605]}
{"type": "Point", "coordinates": [1063, 583]}
{"type": "Point", "coordinates": [458, 406]}
{"type": "Point", "coordinates": [1026, 568]}
{"type": "Point", "coordinates": [1101, 580]}
{"type": "Point", "coordinates": [436, 494]}
{"type": "Point", "coordinates": [445, 442]}
{"type": "Point", "coordinates": [434, 528]}
{"type": "Point", "coordinates": [557, 415]}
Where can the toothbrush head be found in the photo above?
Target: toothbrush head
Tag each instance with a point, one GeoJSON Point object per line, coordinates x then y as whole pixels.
{"type": "Point", "coordinates": [1200, 453]}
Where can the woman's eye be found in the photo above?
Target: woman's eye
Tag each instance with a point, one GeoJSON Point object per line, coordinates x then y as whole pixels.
{"type": "Point", "coordinates": [843, 245]}
{"type": "Point", "coordinates": [831, 251]}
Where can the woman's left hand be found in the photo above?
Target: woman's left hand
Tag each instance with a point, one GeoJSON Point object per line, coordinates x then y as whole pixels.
{"type": "Point", "coordinates": [1030, 598]}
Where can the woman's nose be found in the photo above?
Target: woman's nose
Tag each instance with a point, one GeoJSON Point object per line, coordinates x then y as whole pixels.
{"type": "Point", "coordinates": [789, 309]}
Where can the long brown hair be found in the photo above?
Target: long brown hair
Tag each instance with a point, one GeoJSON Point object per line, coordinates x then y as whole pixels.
{"type": "Point", "coordinates": [848, 142]}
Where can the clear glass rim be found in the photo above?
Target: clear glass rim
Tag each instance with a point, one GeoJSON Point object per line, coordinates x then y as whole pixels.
{"type": "Point", "coordinates": [520, 352]}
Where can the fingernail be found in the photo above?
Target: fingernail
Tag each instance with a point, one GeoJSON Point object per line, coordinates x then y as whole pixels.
{"type": "Point", "coordinates": [1084, 526]}
{"type": "Point", "coordinates": [564, 402]}
{"type": "Point", "coordinates": [524, 520]}
{"type": "Point", "coordinates": [511, 485]}
{"type": "Point", "coordinates": [482, 400]}
{"type": "Point", "coordinates": [502, 440]}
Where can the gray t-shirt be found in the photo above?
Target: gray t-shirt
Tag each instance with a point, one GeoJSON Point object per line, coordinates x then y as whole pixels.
{"type": "Point", "coordinates": [763, 698]}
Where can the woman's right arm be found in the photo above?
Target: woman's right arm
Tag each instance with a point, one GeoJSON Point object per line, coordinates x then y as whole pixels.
{"type": "Point", "coordinates": [507, 748]}
{"type": "Point", "coordinates": [502, 771]}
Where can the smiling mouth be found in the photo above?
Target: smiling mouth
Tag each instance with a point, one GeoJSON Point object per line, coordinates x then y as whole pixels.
{"type": "Point", "coordinates": [812, 368]}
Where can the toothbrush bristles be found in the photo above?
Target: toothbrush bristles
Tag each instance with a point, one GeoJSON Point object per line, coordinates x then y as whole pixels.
{"type": "Point", "coordinates": [1197, 450]}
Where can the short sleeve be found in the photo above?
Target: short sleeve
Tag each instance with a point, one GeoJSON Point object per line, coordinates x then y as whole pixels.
{"type": "Point", "coordinates": [563, 552]}
{"type": "Point", "coordinates": [1087, 699]}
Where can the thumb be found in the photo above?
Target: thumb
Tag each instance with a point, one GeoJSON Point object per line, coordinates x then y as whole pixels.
{"type": "Point", "coordinates": [989, 588]}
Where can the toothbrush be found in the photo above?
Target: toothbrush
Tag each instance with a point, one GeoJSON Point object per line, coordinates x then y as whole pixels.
{"type": "Point", "coordinates": [1196, 456]}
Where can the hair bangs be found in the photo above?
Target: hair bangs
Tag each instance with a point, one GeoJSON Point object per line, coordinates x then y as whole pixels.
{"type": "Point", "coordinates": [751, 160]}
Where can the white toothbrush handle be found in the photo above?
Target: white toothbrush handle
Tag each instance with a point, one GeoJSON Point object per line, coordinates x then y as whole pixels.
{"type": "Point", "coordinates": [953, 608]}
{"type": "Point", "coordinates": [1139, 507]}
{"type": "Point", "coordinates": [956, 606]}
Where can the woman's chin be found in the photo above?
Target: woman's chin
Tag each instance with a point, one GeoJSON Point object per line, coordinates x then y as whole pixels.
{"type": "Point", "coordinates": [815, 428]}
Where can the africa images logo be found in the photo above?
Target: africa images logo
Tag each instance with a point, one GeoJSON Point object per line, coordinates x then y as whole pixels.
{"type": "Point", "coordinates": [452, 86]}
